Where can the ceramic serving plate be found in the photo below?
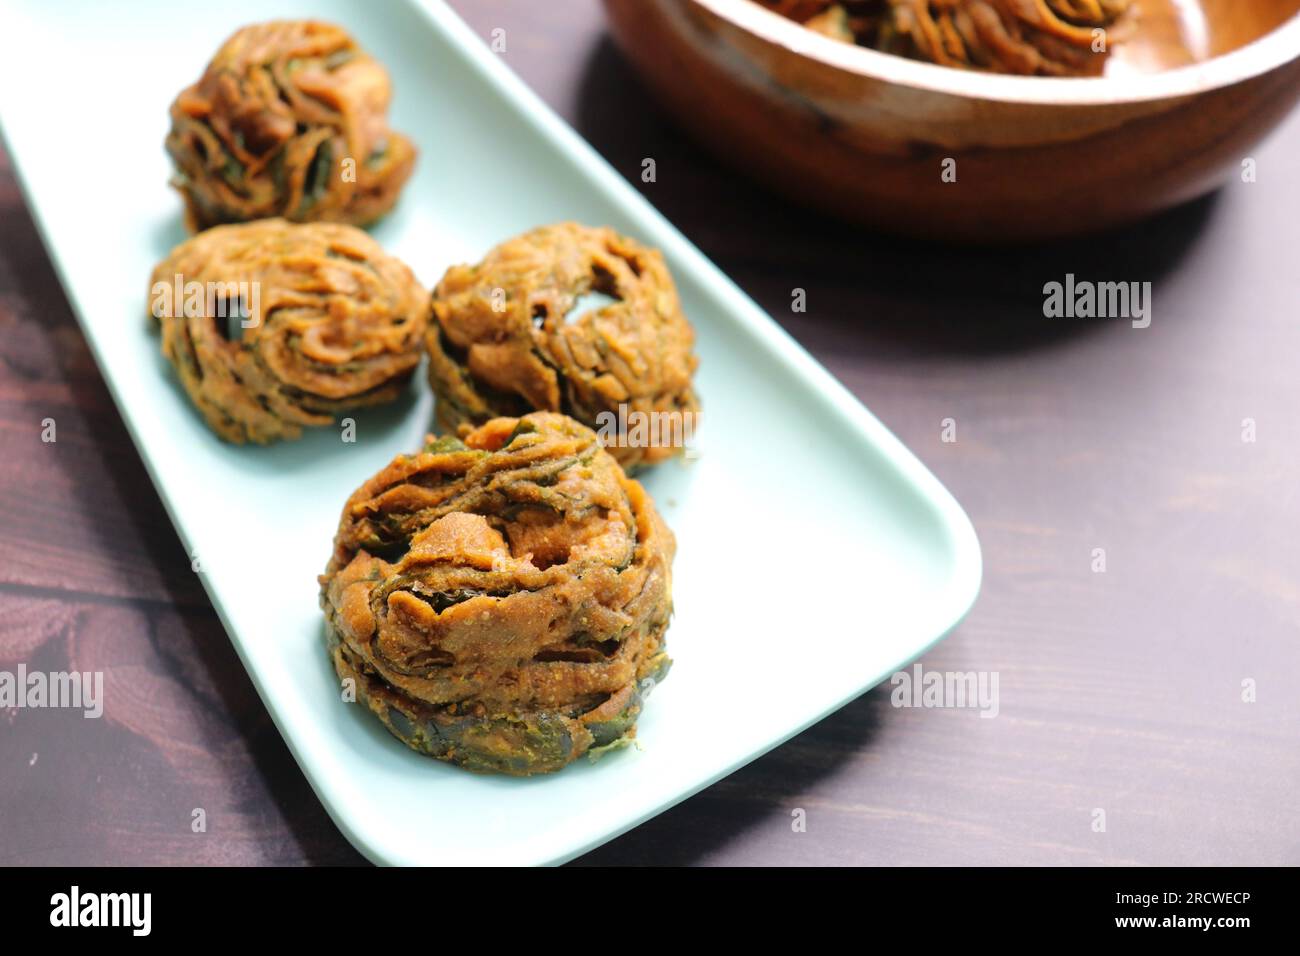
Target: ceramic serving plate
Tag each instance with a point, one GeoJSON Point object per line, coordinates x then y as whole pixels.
{"type": "Point", "coordinates": [816, 555]}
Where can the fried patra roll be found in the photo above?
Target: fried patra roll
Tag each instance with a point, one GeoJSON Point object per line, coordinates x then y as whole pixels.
{"type": "Point", "coordinates": [500, 602]}
{"type": "Point", "coordinates": [289, 119]}
{"type": "Point", "coordinates": [273, 325]}
{"type": "Point", "coordinates": [506, 339]}
{"type": "Point", "coordinates": [1048, 37]}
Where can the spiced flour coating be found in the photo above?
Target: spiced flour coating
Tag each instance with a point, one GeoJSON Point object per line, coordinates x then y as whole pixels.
{"type": "Point", "coordinates": [504, 339]}
{"type": "Point", "coordinates": [501, 602]}
{"type": "Point", "coordinates": [324, 322]}
{"type": "Point", "coordinates": [289, 119]}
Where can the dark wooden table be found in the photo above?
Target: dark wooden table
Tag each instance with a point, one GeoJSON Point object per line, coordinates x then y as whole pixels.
{"type": "Point", "coordinates": [1120, 691]}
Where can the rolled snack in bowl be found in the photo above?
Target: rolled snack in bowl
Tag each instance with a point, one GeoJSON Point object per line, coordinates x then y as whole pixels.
{"type": "Point", "coordinates": [289, 119]}
{"type": "Point", "coordinates": [273, 326]}
{"type": "Point", "coordinates": [1043, 37]}
{"type": "Point", "coordinates": [500, 600]}
{"type": "Point", "coordinates": [508, 336]}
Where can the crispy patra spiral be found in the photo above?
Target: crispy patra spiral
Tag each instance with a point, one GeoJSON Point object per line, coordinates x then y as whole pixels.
{"type": "Point", "coordinates": [333, 323]}
{"type": "Point", "coordinates": [289, 119]}
{"type": "Point", "coordinates": [501, 602]}
{"type": "Point", "coordinates": [503, 340]}
{"type": "Point", "coordinates": [1051, 37]}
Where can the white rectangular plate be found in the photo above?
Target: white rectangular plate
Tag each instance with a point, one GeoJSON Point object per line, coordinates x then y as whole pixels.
{"type": "Point", "coordinates": [816, 555]}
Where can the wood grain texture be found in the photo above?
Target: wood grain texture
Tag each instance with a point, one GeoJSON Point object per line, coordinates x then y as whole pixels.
{"type": "Point", "coordinates": [1118, 691]}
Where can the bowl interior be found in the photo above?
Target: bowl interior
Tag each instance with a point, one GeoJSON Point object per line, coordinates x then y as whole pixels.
{"type": "Point", "coordinates": [1173, 48]}
{"type": "Point", "coordinates": [1174, 33]}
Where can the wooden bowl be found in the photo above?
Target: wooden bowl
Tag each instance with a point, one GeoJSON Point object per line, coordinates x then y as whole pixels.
{"type": "Point", "coordinates": [864, 134]}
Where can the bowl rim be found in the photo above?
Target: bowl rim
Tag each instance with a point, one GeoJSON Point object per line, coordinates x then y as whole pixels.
{"type": "Point", "coordinates": [1274, 49]}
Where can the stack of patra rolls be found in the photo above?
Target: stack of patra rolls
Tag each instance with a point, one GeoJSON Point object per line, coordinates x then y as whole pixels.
{"type": "Point", "coordinates": [499, 599]}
